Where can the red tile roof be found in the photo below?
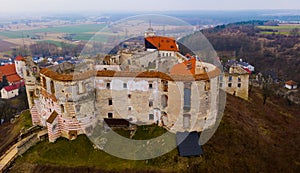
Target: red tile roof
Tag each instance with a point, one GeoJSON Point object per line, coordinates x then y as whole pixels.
{"type": "Point", "coordinates": [14, 86]}
{"type": "Point", "coordinates": [186, 68]}
{"type": "Point", "coordinates": [10, 72]}
{"type": "Point", "coordinates": [163, 43]}
{"type": "Point", "coordinates": [13, 78]}
{"type": "Point", "coordinates": [19, 58]}
{"type": "Point", "coordinates": [291, 83]}
{"type": "Point", "coordinates": [249, 71]}
{"type": "Point", "coordinates": [7, 70]}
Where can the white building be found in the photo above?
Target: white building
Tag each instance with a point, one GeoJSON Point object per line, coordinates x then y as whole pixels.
{"type": "Point", "coordinates": [290, 85]}
{"type": "Point", "coordinates": [11, 91]}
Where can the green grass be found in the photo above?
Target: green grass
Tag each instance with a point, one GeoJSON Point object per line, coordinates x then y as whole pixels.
{"type": "Point", "coordinates": [270, 33]}
{"type": "Point", "coordinates": [79, 30]}
{"type": "Point", "coordinates": [25, 119]}
{"type": "Point", "coordinates": [57, 43]}
{"type": "Point", "coordinates": [11, 34]}
{"type": "Point", "coordinates": [7, 52]}
{"type": "Point", "coordinates": [281, 29]}
{"type": "Point", "coordinates": [84, 37]}
{"type": "Point", "coordinates": [81, 153]}
{"type": "Point", "coordinates": [148, 132]}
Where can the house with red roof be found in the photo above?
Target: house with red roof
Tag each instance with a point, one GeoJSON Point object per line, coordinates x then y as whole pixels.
{"type": "Point", "coordinates": [11, 74]}
{"type": "Point", "coordinates": [166, 46]}
{"type": "Point", "coordinates": [11, 90]}
{"type": "Point", "coordinates": [291, 85]}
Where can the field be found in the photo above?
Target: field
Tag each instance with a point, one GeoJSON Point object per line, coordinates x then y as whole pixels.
{"type": "Point", "coordinates": [6, 46]}
{"type": "Point", "coordinates": [283, 29]}
{"type": "Point", "coordinates": [54, 35]}
{"type": "Point", "coordinates": [77, 29]}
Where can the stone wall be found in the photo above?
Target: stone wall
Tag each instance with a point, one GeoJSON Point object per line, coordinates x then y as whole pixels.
{"type": "Point", "coordinates": [237, 86]}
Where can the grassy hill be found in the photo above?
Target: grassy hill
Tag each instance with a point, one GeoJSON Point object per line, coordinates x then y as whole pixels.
{"type": "Point", "coordinates": [252, 137]}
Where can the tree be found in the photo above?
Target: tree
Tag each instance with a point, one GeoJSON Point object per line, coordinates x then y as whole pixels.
{"type": "Point", "coordinates": [295, 32]}
{"type": "Point", "coordinates": [4, 81]}
{"type": "Point", "coordinates": [6, 111]}
{"type": "Point", "coordinates": [266, 91]}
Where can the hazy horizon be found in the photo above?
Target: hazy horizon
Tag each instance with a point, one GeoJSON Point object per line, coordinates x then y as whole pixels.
{"type": "Point", "coordinates": [69, 6]}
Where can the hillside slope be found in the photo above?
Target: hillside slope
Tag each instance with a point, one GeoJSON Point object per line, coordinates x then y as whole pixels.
{"type": "Point", "coordinates": [270, 54]}
{"type": "Point", "coordinates": [252, 137]}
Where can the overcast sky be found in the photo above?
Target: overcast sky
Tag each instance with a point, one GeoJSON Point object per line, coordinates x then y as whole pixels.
{"type": "Point", "coordinates": [13, 6]}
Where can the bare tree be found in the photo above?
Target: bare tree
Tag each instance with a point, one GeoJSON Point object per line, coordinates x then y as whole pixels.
{"type": "Point", "coordinates": [295, 32]}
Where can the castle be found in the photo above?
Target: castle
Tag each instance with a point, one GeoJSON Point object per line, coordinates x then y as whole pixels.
{"type": "Point", "coordinates": [156, 85]}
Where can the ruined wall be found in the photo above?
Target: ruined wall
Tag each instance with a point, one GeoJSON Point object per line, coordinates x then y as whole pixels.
{"type": "Point", "coordinates": [237, 84]}
{"type": "Point", "coordinates": [81, 103]}
{"type": "Point", "coordinates": [30, 84]}
{"type": "Point", "coordinates": [127, 98]}
{"type": "Point", "coordinates": [203, 108]}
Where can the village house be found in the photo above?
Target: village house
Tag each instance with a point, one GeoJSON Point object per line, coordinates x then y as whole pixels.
{"type": "Point", "coordinates": [235, 81]}
{"type": "Point", "coordinates": [9, 71]}
{"type": "Point", "coordinates": [246, 66]}
{"type": "Point", "coordinates": [291, 85]}
{"type": "Point", "coordinates": [11, 91]}
{"type": "Point", "coordinates": [13, 74]}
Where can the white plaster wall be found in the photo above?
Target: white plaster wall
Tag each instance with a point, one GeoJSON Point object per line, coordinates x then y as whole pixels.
{"type": "Point", "coordinates": [19, 67]}
{"type": "Point", "coordinates": [9, 94]}
{"type": "Point", "coordinates": [290, 87]}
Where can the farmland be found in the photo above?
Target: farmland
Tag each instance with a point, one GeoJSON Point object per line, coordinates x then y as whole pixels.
{"type": "Point", "coordinates": [283, 29]}
{"type": "Point", "coordinates": [54, 35]}
{"type": "Point", "coordinates": [77, 29]}
{"type": "Point", "coordinates": [5, 46]}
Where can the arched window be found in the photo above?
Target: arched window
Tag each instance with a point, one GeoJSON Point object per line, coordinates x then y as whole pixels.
{"type": "Point", "coordinates": [164, 100]}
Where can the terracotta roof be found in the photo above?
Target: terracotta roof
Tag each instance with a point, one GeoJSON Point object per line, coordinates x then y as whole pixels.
{"type": "Point", "coordinates": [67, 77]}
{"type": "Point", "coordinates": [186, 68]}
{"type": "Point", "coordinates": [10, 72]}
{"type": "Point", "coordinates": [163, 43]}
{"type": "Point", "coordinates": [291, 83]}
{"type": "Point", "coordinates": [14, 86]}
{"type": "Point", "coordinates": [19, 58]}
{"type": "Point", "coordinates": [52, 117]}
{"type": "Point", "coordinates": [13, 78]}
{"type": "Point", "coordinates": [147, 74]}
{"type": "Point", "coordinates": [7, 70]}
